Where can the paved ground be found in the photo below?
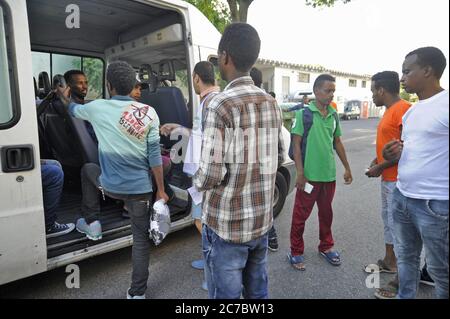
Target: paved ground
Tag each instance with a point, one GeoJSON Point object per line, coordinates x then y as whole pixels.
{"type": "Point", "coordinates": [357, 229]}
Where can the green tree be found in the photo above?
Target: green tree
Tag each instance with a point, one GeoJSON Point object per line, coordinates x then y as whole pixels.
{"type": "Point", "coordinates": [408, 97]}
{"type": "Point", "coordinates": [221, 13]}
{"type": "Point", "coordinates": [215, 10]}
{"type": "Point", "coordinates": [324, 3]}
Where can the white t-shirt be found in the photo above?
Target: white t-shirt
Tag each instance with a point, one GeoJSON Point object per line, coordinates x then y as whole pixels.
{"type": "Point", "coordinates": [194, 148]}
{"type": "Point", "coordinates": [423, 170]}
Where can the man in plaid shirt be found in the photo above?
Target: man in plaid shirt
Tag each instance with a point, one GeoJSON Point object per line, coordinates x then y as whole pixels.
{"type": "Point", "coordinates": [241, 151]}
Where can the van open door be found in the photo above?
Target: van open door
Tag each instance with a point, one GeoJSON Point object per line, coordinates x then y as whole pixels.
{"type": "Point", "coordinates": [22, 226]}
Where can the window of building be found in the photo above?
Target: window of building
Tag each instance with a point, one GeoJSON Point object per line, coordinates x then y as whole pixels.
{"type": "Point", "coordinates": [303, 77]}
{"type": "Point", "coordinates": [364, 84]}
{"type": "Point", "coordinates": [352, 83]}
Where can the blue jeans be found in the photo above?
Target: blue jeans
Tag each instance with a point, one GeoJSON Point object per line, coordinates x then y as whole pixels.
{"type": "Point", "coordinates": [52, 187]}
{"type": "Point", "coordinates": [420, 222]}
{"type": "Point", "coordinates": [387, 188]}
{"type": "Point", "coordinates": [232, 270]}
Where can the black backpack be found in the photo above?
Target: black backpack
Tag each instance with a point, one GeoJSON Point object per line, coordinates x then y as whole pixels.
{"type": "Point", "coordinates": [307, 124]}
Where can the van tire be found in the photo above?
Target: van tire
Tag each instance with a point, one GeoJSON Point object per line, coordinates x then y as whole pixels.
{"type": "Point", "coordinates": [281, 191]}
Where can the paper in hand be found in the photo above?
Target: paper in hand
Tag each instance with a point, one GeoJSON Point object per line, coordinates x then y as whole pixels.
{"type": "Point", "coordinates": [197, 197]}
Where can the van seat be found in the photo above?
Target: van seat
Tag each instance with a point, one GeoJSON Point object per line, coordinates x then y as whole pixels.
{"type": "Point", "coordinates": [170, 106]}
{"type": "Point", "coordinates": [44, 87]}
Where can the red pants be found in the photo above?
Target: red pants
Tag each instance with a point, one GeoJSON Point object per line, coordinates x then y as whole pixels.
{"type": "Point", "coordinates": [323, 194]}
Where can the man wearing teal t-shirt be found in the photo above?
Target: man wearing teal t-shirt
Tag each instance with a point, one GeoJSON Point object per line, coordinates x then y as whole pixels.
{"type": "Point", "coordinates": [128, 145]}
{"type": "Point", "coordinates": [316, 174]}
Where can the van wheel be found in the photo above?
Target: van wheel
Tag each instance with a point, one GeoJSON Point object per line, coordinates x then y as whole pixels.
{"type": "Point", "coordinates": [281, 190]}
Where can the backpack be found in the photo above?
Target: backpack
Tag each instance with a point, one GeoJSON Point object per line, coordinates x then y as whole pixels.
{"type": "Point", "coordinates": [307, 124]}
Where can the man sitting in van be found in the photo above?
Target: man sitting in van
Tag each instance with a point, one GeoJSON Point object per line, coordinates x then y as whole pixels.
{"type": "Point", "coordinates": [78, 83]}
{"type": "Point", "coordinates": [128, 142]}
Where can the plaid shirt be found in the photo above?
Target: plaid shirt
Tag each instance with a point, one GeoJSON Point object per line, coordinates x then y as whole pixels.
{"type": "Point", "coordinates": [242, 148]}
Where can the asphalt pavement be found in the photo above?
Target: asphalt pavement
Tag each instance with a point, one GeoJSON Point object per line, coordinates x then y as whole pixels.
{"type": "Point", "coordinates": [357, 230]}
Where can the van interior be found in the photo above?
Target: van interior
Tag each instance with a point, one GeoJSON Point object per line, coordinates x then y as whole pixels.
{"type": "Point", "coordinates": [153, 41]}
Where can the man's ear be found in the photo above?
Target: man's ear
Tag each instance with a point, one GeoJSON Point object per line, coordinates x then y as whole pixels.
{"type": "Point", "coordinates": [428, 71]}
{"type": "Point", "coordinates": [226, 57]}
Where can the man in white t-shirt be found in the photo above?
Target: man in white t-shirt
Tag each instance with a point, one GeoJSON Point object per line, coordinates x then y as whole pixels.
{"type": "Point", "coordinates": [421, 200]}
{"type": "Point", "coordinates": [203, 78]}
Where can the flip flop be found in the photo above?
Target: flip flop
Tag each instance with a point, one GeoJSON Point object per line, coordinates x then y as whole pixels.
{"type": "Point", "coordinates": [379, 267]}
{"type": "Point", "coordinates": [385, 293]}
{"type": "Point", "coordinates": [295, 261]}
{"type": "Point", "coordinates": [388, 292]}
{"type": "Point", "coordinates": [332, 257]}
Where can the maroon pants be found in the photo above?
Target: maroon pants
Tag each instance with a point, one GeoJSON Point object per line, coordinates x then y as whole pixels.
{"type": "Point", "coordinates": [323, 194]}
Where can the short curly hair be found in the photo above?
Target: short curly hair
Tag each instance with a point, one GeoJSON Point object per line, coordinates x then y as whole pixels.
{"type": "Point", "coordinates": [121, 76]}
{"type": "Point", "coordinates": [242, 43]}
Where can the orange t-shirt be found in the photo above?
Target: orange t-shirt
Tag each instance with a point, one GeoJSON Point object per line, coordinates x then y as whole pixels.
{"type": "Point", "coordinates": [388, 130]}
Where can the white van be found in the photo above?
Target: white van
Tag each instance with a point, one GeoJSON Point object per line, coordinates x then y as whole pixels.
{"type": "Point", "coordinates": [42, 38]}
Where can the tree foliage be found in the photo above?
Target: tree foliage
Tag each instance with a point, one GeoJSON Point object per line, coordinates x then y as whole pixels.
{"type": "Point", "coordinates": [215, 10]}
{"type": "Point", "coordinates": [221, 12]}
{"type": "Point", "coordinates": [324, 3]}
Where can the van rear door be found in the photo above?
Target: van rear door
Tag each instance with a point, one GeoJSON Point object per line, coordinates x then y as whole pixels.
{"type": "Point", "coordinates": [22, 226]}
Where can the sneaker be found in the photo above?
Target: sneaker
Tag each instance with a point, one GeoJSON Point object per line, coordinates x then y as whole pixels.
{"type": "Point", "coordinates": [134, 297]}
{"type": "Point", "coordinates": [58, 229]}
{"type": "Point", "coordinates": [92, 231]}
{"type": "Point", "coordinates": [273, 244]}
{"type": "Point", "coordinates": [425, 278]}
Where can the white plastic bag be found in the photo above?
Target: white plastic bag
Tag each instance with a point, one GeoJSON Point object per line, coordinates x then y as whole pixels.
{"type": "Point", "coordinates": [159, 222]}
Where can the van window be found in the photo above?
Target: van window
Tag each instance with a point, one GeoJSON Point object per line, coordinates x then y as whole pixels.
{"type": "Point", "coordinates": [7, 108]}
{"type": "Point", "coordinates": [53, 64]}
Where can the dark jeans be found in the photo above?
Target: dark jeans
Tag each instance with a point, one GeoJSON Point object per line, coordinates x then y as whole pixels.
{"type": "Point", "coordinates": [90, 206]}
{"type": "Point", "coordinates": [138, 207]}
{"type": "Point", "coordinates": [52, 187]}
{"type": "Point", "coordinates": [234, 269]}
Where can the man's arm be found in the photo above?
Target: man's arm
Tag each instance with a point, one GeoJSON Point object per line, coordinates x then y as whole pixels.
{"type": "Point", "coordinates": [155, 160]}
{"type": "Point", "coordinates": [76, 110]}
{"type": "Point", "coordinates": [212, 167]}
{"type": "Point", "coordinates": [297, 149]}
{"type": "Point", "coordinates": [340, 150]}
{"type": "Point", "coordinates": [297, 137]}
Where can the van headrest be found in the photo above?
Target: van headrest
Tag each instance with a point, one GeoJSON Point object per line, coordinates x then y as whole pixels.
{"type": "Point", "coordinates": [44, 84]}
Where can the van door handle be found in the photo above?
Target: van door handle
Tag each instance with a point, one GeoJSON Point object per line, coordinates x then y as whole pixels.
{"type": "Point", "coordinates": [17, 158]}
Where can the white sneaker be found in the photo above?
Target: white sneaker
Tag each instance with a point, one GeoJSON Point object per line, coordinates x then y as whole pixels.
{"type": "Point", "coordinates": [92, 231]}
{"type": "Point", "coordinates": [134, 297]}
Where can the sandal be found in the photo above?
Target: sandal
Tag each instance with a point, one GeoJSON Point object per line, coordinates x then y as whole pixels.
{"type": "Point", "coordinates": [388, 292]}
{"type": "Point", "coordinates": [298, 262]}
{"type": "Point", "coordinates": [332, 257]}
{"type": "Point", "coordinates": [379, 267]}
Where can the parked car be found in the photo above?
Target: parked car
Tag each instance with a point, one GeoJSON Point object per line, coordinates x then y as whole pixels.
{"type": "Point", "coordinates": [351, 112]}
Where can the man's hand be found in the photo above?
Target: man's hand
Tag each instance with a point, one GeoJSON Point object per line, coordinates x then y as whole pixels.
{"type": "Point", "coordinates": [167, 129]}
{"type": "Point", "coordinates": [348, 178]}
{"type": "Point", "coordinates": [63, 94]}
{"type": "Point", "coordinates": [301, 181]}
{"type": "Point", "coordinates": [375, 171]}
{"type": "Point", "coordinates": [373, 163]}
{"type": "Point", "coordinates": [392, 151]}
{"type": "Point", "coordinates": [162, 195]}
